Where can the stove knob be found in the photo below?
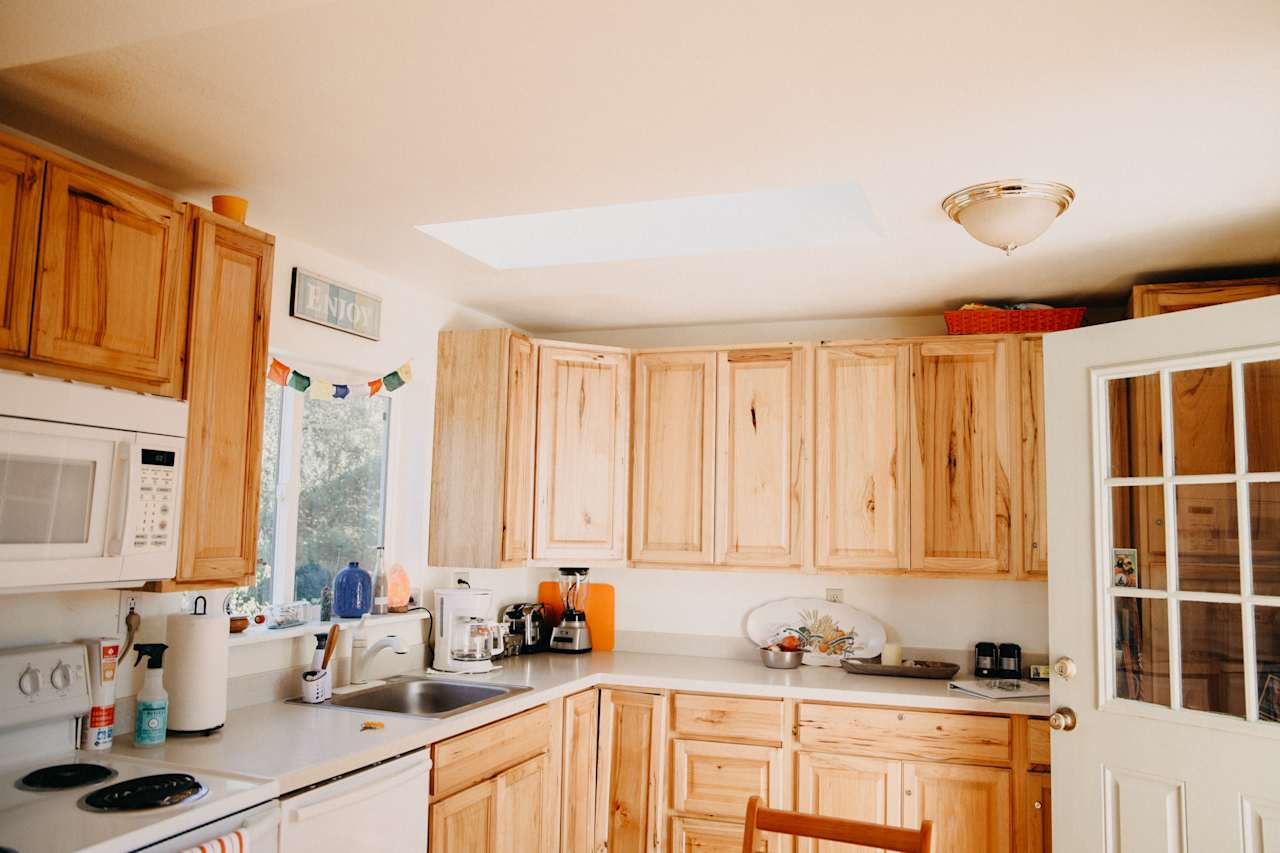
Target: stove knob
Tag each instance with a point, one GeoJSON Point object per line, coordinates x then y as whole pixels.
{"type": "Point", "coordinates": [60, 677]}
{"type": "Point", "coordinates": [29, 681]}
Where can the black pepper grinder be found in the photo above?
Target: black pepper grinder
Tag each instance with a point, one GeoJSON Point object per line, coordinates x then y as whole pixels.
{"type": "Point", "coordinates": [1010, 661]}
{"type": "Point", "coordinates": [985, 664]}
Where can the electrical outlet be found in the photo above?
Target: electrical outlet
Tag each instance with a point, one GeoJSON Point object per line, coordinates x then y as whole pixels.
{"type": "Point", "coordinates": [128, 604]}
{"type": "Point", "coordinates": [460, 579]}
{"type": "Point", "coordinates": [835, 596]}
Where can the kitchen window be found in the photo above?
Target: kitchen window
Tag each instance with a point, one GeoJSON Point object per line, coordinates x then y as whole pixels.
{"type": "Point", "coordinates": [323, 494]}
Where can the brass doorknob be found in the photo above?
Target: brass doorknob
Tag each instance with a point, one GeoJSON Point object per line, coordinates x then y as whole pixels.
{"type": "Point", "coordinates": [1064, 668]}
{"type": "Point", "coordinates": [1062, 720]}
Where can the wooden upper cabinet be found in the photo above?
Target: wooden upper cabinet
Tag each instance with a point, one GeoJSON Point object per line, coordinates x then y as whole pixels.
{"type": "Point", "coordinates": [862, 511]}
{"type": "Point", "coordinates": [761, 450]}
{"type": "Point", "coordinates": [111, 292]}
{"type": "Point", "coordinates": [629, 773]}
{"type": "Point", "coordinates": [1148, 300]}
{"type": "Point", "coordinates": [673, 508]}
{"type": "Point", "coordinates": [971, 807]}
{"type": "Point", "coordinates": [963, 455]}
{"type": "Point", "coordinates": [21, 185]}
{"type": "Point", "coordinates": [227, 354]}
{"type": "Point", "coordinates": [482, 462]}
{"type": "Point", "coordinates": [1035, 551]}
{"type": "Point", "coordinates": [580, 480]}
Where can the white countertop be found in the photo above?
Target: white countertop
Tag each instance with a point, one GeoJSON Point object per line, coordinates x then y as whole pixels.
{"type": "Point", "coordinates": [300, 745]}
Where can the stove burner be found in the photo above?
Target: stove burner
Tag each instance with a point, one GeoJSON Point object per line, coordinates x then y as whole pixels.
{"type": "Point", "coordinates": [145, 792]}
{"type": "Point", "coordinates": [62, 776]}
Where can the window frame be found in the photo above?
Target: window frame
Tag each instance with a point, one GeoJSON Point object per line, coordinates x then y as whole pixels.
{"type": "Point", "coordinates": [288, 487]}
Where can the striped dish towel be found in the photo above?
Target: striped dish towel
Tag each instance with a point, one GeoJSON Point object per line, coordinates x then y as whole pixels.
{"type": "Point", "coordinates": [232, 842]}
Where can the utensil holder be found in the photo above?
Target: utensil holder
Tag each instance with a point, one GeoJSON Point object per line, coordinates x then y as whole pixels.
{"type": "Point", "coordinates": [317, 689]}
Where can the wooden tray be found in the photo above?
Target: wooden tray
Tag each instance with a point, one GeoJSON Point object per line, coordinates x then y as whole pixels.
{"type": "Point", "coordinates": [919, 669]}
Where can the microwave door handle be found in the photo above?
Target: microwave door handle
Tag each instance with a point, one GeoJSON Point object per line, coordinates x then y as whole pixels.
{"type": "Point", "coordinates": [118, 501]}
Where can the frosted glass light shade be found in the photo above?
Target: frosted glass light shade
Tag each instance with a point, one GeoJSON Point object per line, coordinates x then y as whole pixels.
{"type": "Point", "coordinates": [1008, 214]}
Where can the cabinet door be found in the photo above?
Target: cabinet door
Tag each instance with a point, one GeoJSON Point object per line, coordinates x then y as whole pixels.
{"type": "Point", "coordinates": [517, 480]}
{"type": "Point", "coordinates": [628, 778]}
{"type": "Point", "coordinates": [695, 835]}
{"type": "Point", "coordinates": [227, 352]}
{"type": "Point", "coordinates": [524, 823]}
{"type": "Point", "coordinates": [760, 450]}
{"type": "Point", "coordinates": [466, 822]}
{"type": "Point", "coordinates": [846, 786]}
{"type": "Point", "coordinates": [1038, 814]}
{"type": "Point", "coordinates": [581, 474]}
{"type": "Point", "coordinates": [21, 183]}
{"type": "Point", "coordinates": [862, 394]}
{"type": "Point", "coordinates": [962, 456]}
{"type": "Point", "coordinates": [716, 779]}
{"type": "Point", "coordinates": [672, 512]}
{"type": "Point", "coordinates": [1035, 551]}
{"type": "Point", "coordinates": [578, 786]}
{"type": "Point", "coordinates": [111, 295]}
{"type": "Point", "coordinates": [1148, 300]}
{"type": "Point", "coordinates": [969, 806]}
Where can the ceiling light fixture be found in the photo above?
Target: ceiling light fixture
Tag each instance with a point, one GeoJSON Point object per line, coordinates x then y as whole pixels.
{"type": "Point", "coordinates": [1008, 214]}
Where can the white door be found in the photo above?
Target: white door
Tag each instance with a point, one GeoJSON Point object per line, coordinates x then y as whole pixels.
{"type": "Point", "coordinates": [1163, 459]}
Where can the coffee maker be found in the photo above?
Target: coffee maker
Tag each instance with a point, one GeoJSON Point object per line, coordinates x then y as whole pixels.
{"type": "Point", "coordinates": [572, 634]}
{"type": "Point", "coordinates": [467, 637]}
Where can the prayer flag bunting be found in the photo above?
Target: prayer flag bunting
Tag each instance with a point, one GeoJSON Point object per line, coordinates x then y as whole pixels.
{"type": "Point", "coordinates": [321, 389]}
{"type": "Point", "coordinates": [392, 380]}
{"type": "Point", "coordinates": [278, 372]}
{"type": "Point", "coordinates": [375, 385]}
{"type": "Point", "coordinates": [299, 381]}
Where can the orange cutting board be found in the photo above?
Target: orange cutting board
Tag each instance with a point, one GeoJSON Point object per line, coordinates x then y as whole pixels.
{"type": "Point", "coordinates": [599, 611]}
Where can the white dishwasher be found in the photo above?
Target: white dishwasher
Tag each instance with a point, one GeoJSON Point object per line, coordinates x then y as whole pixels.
{"type": "Point", "coordinates": [381, 809]}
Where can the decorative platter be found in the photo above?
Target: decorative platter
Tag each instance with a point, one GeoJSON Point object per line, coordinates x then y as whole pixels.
{"type": "Point", "coordinates": [830, 631]}
{"type": "Point", "coordinates": [908, 669]}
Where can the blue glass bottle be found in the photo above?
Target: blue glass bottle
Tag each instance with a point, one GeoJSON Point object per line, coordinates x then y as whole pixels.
{"type": "Point", "coordinates": [352, 592]}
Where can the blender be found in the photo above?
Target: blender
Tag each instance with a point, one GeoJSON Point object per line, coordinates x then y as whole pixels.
{"type": "Point", "coordinates": [572, 634]}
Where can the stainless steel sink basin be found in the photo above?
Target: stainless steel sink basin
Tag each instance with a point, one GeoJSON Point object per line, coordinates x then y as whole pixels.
{"type": "Point", "coordinates": [422, 697]}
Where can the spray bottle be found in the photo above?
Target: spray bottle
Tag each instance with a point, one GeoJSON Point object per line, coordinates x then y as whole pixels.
{"type": "Point", "coordinates": [151, 719]}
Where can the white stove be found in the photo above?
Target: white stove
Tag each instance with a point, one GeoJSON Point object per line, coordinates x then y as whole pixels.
{"type": "Point", "coordinates": [110, 803]}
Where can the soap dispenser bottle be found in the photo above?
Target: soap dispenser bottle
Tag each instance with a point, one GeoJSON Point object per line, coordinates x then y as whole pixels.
{"type": "Point", "coordinates": [151, 719]}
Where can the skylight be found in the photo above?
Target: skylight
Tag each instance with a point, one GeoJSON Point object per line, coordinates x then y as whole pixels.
{"type": "Point", "coordinates": [791, 218]}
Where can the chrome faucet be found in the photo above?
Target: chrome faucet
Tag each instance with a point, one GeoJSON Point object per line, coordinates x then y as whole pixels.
{"type": "Point", "coordinates": [362, 653]}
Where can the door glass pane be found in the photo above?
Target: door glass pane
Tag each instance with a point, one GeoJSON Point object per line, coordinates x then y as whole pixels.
{"type": "Point", "coordinates": [1212, 657]}
{"type": "Point", "coordinates": [1142, 650]}
{"type": "Point", "coordinates": [45, 500]}
{"type": "Point", "coordinates": [1264, 534]}
{"type": "Point", "coordinates": [1266, 627]}
{"type": "Point", "coordinates": [340, 500]}
{"type": "Point", "coordinates": [1203, 421]}
{"type": "Point", "coordinates": [1134, 411]}
{"type": "Point", "coordinates": [1208, 538]}
{"type": "Point", "coordinates": [1137, 537]}
{"type": "Point", "coordinates": [1262, 414]}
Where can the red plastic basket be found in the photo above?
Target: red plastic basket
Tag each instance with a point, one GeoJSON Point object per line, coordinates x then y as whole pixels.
{"type": "Point", "coordinates": [995, 321]}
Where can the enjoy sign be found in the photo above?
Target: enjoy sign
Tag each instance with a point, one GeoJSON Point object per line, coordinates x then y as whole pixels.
{"type": "Point", "coordinates": [334, 305]}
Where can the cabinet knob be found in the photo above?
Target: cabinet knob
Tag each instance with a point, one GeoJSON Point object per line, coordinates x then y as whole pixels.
{"type": "Point", "coordinates": [1062, 720]}
{"type": "Point", "coordinates": [1039, 805]}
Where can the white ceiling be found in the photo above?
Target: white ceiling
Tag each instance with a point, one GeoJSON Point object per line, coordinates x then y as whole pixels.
{"type": "Point", "coordinates": [348, 123]}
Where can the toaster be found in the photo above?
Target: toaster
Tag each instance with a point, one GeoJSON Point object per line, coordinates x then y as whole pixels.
{"type": "Point", "coordinates": [531, 624]}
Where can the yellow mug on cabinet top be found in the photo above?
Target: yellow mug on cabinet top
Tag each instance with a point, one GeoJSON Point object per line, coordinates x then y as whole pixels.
{"type": "Point", "coordinates": [231, 206]}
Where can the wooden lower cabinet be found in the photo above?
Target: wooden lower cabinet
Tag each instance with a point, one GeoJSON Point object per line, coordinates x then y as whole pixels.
{"type": "Point", "coordinates": [466, 822]}
{"type": "Point", "coordinates": [578, 772]}
{"type": "Point", "coordinates": [629, 772]}
{"type": "Point", "coordinates": [696, 835]}
{"type": "Point", "coordinates": [506, 814]}
{"type": "Point", "coordinates": [970, 806]}
{"type": "Point", "coordinates": [716, 779]}
{"type": "Point", "coordinates": [847, 786]}
{"type": "Point", "coordinates": [1037, 814]}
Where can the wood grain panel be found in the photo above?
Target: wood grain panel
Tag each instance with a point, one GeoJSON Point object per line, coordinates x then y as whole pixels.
{"type": "Point", "coordinates": [21, 186]}
{"type": "Point", "coordinates": [761, 455]}
{"type": "Point", "coordinates": [970, 807]}
{"type": "Point", "coordinates": [698, 835]}
{"type": "Point", "coordinates": [630, 772]}
{"type": "Point", "coordinates": [524, 823]}
{"type": "Point", "coordinates": [963, 461]}
{"type": "Point", "coordinates": [1038, 742]}
{"type": "Point", "coordinates": [467, 822]}
{"type": "Point", "coordinates": [517, 477]}
{"type": "Point", "coordinates": [1149, 300]}
{"type": "Point", "coordinates": [1035, 526]}
{"type": "Point", "coordinates": [227, 354]}
{"type": "Point", "coordinates": [862, 428]}
{"type": "Point", "coordinates": [111, 291]}
{"type": "Point", "coordinates": [907, 734]}
{"type": "Point", "coordinates": [578, 777]}
{"type": "Point", "coordinates": [727, 717]}
{"type": "Point", "coordinates": [580, 480]}
{"type": "Point", "coordinates": [1038, 813]}
{"type": "Point", "coordinates": [711, 779]}
{"type": "Point", "coordinates": [849, 787]}
{"type": "Point", "coordinates": [673, 508]}
{"type": "Point", "coordinates": [461, 761]}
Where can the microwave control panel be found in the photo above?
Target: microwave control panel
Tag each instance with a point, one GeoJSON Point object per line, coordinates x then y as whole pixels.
{"type": "Point", "coordinates": [157, 497]}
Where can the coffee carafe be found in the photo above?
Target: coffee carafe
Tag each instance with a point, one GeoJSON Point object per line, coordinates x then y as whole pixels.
{"type": "Point", "coordinates": [467, 636]}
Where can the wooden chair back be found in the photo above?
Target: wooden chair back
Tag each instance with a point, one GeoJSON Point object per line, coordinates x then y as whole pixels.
{"type": "Point", "coordinates": [762, 819]}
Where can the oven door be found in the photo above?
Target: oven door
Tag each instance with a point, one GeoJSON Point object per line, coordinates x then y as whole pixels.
{"type": "Point", "coordinates": [62, 494]}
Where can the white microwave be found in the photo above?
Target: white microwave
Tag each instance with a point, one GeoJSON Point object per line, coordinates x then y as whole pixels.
{"type": "Point", "coordinates": [90, 485]}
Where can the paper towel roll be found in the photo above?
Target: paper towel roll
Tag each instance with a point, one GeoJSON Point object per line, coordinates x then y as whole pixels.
{"type": "Point", "coordinates": [195, 671]}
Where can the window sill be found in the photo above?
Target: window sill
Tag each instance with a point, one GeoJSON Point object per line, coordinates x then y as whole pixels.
{"type": "Point", "coordinates": [263, 634]}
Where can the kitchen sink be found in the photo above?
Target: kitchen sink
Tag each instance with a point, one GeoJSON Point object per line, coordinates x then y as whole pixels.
{"type": "Point", "coordinates": [421, 697]}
